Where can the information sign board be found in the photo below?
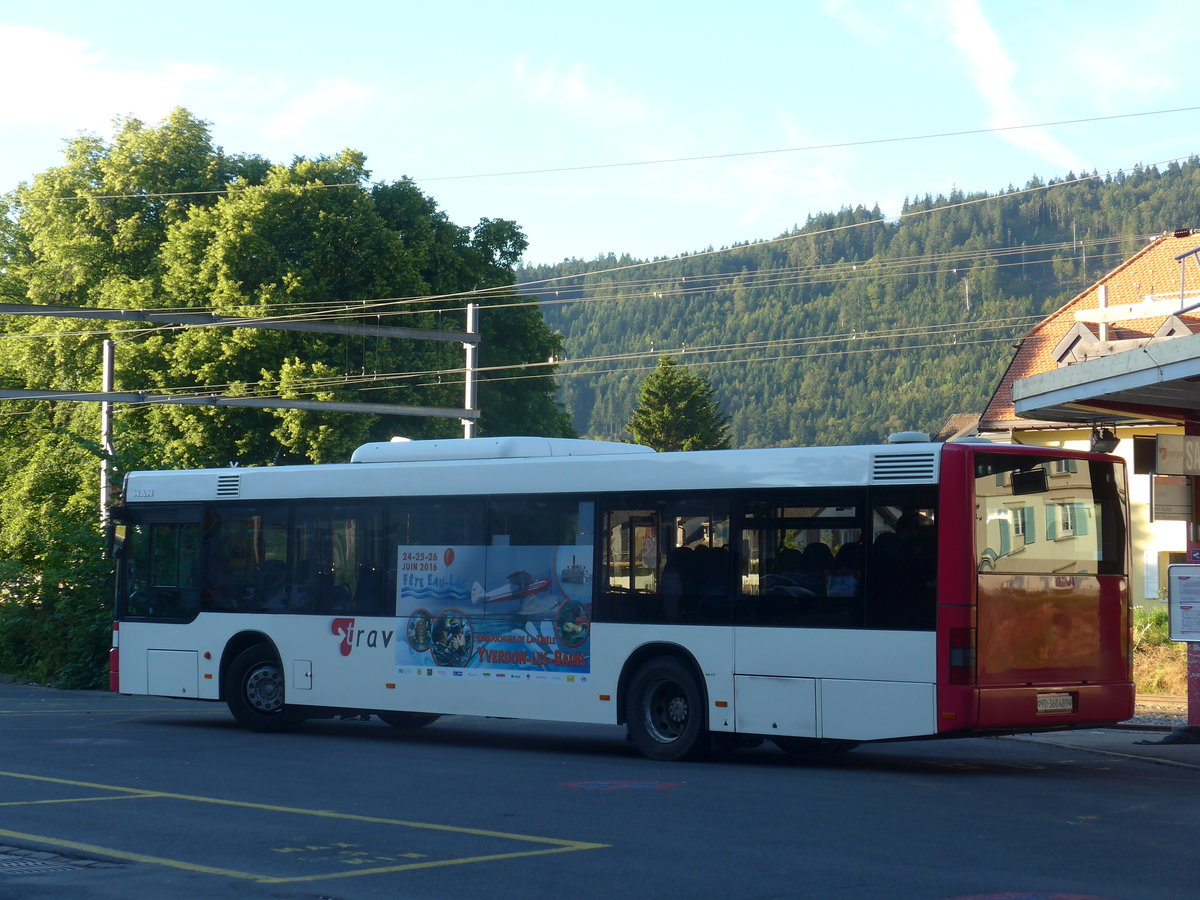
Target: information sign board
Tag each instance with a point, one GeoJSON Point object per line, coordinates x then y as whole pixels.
{"type": "Point", "coordinates": [1178, 454]}
{"type": "Point", "coordinates": [1171, 498]}
{"type": "Point", "coordinates": [1183, 601]}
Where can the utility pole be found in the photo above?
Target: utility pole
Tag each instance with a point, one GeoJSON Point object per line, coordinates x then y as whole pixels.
{"type": "Point", "coordinates": [107, 448]}
{"type": "Point", "coordinates": [472, 363]}
{"type": "Point", "coordinates": [108, 396]}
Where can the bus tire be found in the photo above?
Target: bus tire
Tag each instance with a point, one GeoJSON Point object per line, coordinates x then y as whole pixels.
{"type": "Point", "coordinates": [664, 708]}
{"type": "Point", "coordinates": [254, 691]}
{"type": "Point", "coordinates": [398, 719]}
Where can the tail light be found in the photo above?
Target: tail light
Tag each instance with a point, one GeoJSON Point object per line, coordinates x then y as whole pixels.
{"type": "Point", "coordinates": [962, 655]}
{"type": "Point", "coordinates": [114, 660]}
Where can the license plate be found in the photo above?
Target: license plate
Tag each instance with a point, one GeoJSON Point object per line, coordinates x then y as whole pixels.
{"type": "Point", "coordinates": [1055, 703]}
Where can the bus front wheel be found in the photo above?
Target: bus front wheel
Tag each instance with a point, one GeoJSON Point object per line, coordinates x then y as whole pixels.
{"type": "Point", "coordinates": [665, 711]}
{"type": "Point", "coordinates": [255, 691]}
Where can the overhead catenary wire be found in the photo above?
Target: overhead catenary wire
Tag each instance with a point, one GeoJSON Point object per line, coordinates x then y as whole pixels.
{"type": "Point", "coordinates": [794, 276]}
{"type": "Point", "coordinates": [372, 380]}
{"type": "Point", "coordinates": [996, 129]}
{"type": "Point", "coordinates": [379, 307]}
{"type": "Point", "coordinates": [655, 288]}
{"type": "Point", "coordinates": [842, 145]}
{"type": "Point", "coordinates": [373, 305]}
{"type": "Point", "coordinates": [453, 381]}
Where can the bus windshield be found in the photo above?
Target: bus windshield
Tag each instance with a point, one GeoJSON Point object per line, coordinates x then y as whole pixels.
{"type": "Point", "coordinates": [1049, 515]}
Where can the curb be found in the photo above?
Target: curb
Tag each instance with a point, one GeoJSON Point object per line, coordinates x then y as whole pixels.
{"type": "Point", "coordinates": [1033, 739]}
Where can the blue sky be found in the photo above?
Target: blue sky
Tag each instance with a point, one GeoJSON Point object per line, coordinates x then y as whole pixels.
{"type": "Point", "coordinates": [443, 92]}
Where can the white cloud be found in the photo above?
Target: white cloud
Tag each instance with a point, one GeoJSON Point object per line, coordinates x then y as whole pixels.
{"type": "Point", "coordinates": [69, 84]}
{"type": "Point", "coordinates": [332, 98]}
{"type": "Point", "coordinates": [995, 74]}
{"type": "Point", "coordinates": [1136, 72]}
{"type": "Point", "coordinates": [577, 92]}
{"type": "Point", "coordinates": [865, 23]}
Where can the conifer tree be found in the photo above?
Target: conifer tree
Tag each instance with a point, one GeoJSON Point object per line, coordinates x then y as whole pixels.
{"type": "Point", "coordinates": [676, 411]}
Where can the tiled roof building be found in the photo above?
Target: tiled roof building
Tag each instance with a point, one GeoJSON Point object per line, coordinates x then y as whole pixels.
{"type": "Point", "coordinates": [1133, 305]}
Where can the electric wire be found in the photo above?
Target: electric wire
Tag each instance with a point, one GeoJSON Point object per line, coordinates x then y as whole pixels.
{"type": "Point", "coordinates": [997, 129]}
{"type": "Point", "coordinates": [374, 308]}
{"type": "Point", "coordinates": [372, 380]}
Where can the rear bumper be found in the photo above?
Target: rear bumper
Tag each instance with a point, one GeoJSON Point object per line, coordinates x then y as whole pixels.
{"type": "Point", "coordinates": [1017, 707]}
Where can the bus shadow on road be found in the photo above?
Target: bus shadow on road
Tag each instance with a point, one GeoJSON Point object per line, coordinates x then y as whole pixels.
{"type": "Point", "coordinates": [965, 757]}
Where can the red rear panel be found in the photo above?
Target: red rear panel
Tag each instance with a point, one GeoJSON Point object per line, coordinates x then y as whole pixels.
{"type": "Point", "coordinates": [1033, 600]}
{"type": "Point", "coordinates": [1042, 632]}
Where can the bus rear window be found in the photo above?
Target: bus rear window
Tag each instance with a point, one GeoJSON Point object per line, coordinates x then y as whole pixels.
{"type": "Point", "coordinates": [1049, 515]}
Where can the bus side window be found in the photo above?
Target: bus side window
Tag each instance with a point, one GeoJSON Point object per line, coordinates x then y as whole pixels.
{"type": "Point", "coordinates": [666, 560]}
{"type": "Point", "coordinates": [533, 521]}
{"type": "Point", "coordinates": [245, 558]}
{"type": "Point", "coordinates": [629, 574]}
{"type": "Point", "coordinates": [338, 559]}
{"type": "Point", "coordinates": [902, 588]}
{"type": "Point", "coordinates": [802, 558]}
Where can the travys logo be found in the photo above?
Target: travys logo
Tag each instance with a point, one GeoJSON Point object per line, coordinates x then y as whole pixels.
{"type": "Point", "coordinates": [352, 637]}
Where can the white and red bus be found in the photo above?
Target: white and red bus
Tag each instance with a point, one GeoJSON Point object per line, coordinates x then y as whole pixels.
{"type": "Point", "coordinates": [817, 597]}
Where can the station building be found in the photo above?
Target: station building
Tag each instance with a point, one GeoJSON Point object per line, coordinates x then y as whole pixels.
{"type": "Point", "coordinates": [1117, 363]}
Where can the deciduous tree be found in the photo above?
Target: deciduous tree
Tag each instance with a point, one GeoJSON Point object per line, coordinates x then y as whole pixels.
{"type": "Point", "coordinates": [160, 217]}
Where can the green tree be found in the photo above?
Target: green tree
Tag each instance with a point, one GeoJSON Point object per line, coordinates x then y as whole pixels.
{"type": "Point", "coordinates": [676, 411]}
{"type": "Point", "coordinates": [159, 217]}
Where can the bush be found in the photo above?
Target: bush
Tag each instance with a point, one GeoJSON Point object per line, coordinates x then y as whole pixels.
{"type": "Point", "coordinates": [1161, 669]}
{"type": "Point", "coordinates": [1159, 664]}
{"type": "Point", "coordinates": [1150, 628]}
{"type": "Point", "coordinates": [56, 623]}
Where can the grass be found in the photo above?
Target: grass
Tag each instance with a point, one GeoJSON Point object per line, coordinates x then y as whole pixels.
{"type": "Point", "coordinates": [1159, 664]}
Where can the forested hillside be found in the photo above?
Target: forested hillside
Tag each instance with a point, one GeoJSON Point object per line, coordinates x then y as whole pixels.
{"type": "Point", "coordinates": [849, 327]}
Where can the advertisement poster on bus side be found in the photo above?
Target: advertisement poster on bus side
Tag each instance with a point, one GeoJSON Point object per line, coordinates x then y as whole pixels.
{"type": "Point", "coordinates": [498, 612]}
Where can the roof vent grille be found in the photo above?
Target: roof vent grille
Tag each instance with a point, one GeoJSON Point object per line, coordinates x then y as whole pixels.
{"type": "Point", "coordinates": [229, 485]}
{"type": "Point", "coordinates": [908, 467]}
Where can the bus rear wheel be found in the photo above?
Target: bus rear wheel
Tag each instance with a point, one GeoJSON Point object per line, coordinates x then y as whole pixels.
{"type": "Point", "coordinates": [398, 719]}
{"type": "Point", "coordinates": [665, 711]}
{"type": "Point", "coordinates": [254, 691]}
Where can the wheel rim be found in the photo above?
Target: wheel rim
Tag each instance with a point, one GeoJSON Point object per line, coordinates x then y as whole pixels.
{"type": "Point", "coordinates": [264, 689]}
{"type": "Point", "coordinates": [666, 710]}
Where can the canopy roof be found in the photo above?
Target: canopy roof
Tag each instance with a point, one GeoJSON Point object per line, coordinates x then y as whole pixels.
{"type": "Point", "coordinates": [1158, 382]}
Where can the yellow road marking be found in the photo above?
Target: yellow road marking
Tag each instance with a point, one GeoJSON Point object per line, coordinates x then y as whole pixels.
{"type": "Point", "coordinates": [462, 861]}
{"type": "Point", "coordinates": [70, 800]}
{"type": "Point", "coordinates": [109, 712]}
{"type": "Point", "coordinates": [556, 845]}
{"type": "Point", "coordinates": [125, 855]}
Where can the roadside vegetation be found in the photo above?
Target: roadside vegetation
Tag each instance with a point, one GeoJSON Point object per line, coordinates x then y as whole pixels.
{"type": "Point", "coordinates": [160, 218]}
{"type": "Point", "coordinates": [1159, 664]}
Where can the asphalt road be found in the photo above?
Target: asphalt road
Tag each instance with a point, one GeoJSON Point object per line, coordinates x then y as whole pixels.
{"type": "Point", "coordinates": [105, 796]}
